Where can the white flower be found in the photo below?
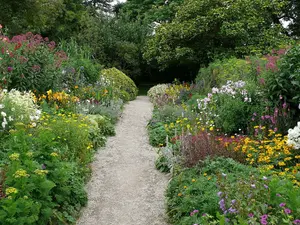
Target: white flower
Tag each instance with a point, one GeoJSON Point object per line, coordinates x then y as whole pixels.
{"type": "Point", "coordinates": [1, 106]}
{"type": "Point", "coordinates": [3, 114]}
{"type": "Point", "coordinates": [10, 118]}
{"type": "Point", "coordinates": [13, 109]}
{"type": "Point", "coordinates": [3, 125]}
{"type": "Point", "coordinates": [33, 124]}
{"type": "Point", "coordinates": [38, 112]}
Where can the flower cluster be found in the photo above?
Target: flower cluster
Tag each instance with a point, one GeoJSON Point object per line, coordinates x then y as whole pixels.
{"type": "Point", "coordinates": [18, 106]}
{"type": "Point", "coordinates": [294, 136]}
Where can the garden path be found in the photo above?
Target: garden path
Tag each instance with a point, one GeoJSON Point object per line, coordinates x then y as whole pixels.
{"type": "Point", "coordinates": [125, 187]}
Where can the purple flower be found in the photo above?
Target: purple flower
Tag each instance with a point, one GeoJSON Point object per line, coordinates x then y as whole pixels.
{"type": "Point", "coordinates": [232, 210]}
{"type": "Point", "coordinates": [222, 204]}
{"type": "Point", "coordinates": [287, 211]}
{"type": "Point", "coordinates": [253, 185]}
{"type": "Point", "coordinates": [297, 222]}
{"type": "Point", "coordinates": [263, 219]}
{"type": "Point", "coordinates": [219, 193]}
{"type": "Point", "coordinates": [278, 195]}
{"type": "Point", "coordinates": [251, 215]}
{"type": "Point", "coordinates": [9, 69]}
{"type": "Point", "coordinates": [282, 204]}
{"type": "Point", "coordinates": [43, 166]}
{"type": "Point", "coordinates": [204, 214]}
{"type": "Point", "coordinates": [266, 186]}
{"type": "Point", "coordinates": [233, 201]}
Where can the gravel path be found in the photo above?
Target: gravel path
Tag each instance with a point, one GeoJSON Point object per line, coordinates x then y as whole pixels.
{"type": "Point", "coordinates": [125, 188]}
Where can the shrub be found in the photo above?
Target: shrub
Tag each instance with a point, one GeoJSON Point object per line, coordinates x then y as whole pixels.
{"type": "Point", "coordinates": [126, 87]}
{"type": "Point", "coordinates": [30, 62]}
{"type": "Point", "coordinates": [219, 71]}
{"type": "Point", "coordinates": [111, 109]}
{"type": "Point", "coordinates": [40, 182]}
{"type": "Point", "coordinates": [195, 148]}
{"type": "Point", "coordinates": [193, 192]}
{"type": "Point", "coordinates": [284, 79]}
{"type": "Point", "coordinates": [258, 199]}
{"type": "Point", "coordinates": [157, 91]}
{"type": "Point", "coordinates": [80, 68]}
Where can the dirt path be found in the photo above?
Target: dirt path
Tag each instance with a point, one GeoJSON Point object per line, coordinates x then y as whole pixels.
{"type": "Point", "coordinates": [125, 188]}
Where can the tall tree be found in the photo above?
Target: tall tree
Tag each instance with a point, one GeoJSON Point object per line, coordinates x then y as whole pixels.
{"type": "Point", "coordinates": [104, 5]}
{"type": "Point", "coordinates": [205, 28]}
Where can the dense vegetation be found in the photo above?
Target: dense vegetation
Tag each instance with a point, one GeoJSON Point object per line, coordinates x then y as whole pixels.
{"type": "Point", "coordinates": [159, 40]}
{"type": "Point", "coordinates": [228, 123]}
{"type": "Point", "coordinates": [231, 142]}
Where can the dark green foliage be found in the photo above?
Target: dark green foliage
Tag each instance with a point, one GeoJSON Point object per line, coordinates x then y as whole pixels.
{"type": "Point", "coordinates": [195, 189]}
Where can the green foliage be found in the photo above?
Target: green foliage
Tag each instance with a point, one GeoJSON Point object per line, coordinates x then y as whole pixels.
{"type": "Point", "coordinates": [121, 82]}
{"type": "Point", "coordinates": [30, 62]}
{"type": "Point", "coordinates": [151, 11]}
{"type": "Point", "coordinates": [272, 198]}
{"type": "Point", "coordinates": [116, 42]}
{"type": "Point", "coordinates": [41, 183]}
{"type": "Point", "coordinates": [195, 189]}
{"type": "Point", "coordinates": [80, 68]}
{"type": "Point", "coordinates": [285, 82]}
{"type": "Point", "coordinates": [203, 29]}
{"type": "Point", "coordinates": [218, 72]}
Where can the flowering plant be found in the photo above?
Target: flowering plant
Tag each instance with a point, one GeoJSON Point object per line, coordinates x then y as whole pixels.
{"type": "Point", "coordinates": [294, 136]}
{"type": "Point", "coordinates": [30, 62]}
{"type": "Point", "coordinates": [18, 107]}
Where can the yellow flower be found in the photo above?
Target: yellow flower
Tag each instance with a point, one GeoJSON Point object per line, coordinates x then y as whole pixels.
{"type": "Point", "coordinates": [29, 154]}
{"type": "Point", "coordinates": [11, 190]}
{"type": "Point", "coordinates": [20, 173]}
{"type": "Point", "coordinates": [211, 128]}
{"type": "Point", "coordinates": [249, 155]}
{"type": "Point", "coordinates": [179, 194]}
{"type": "Point", "coordinates": [185, 187]}
{"type": "Point", "coordinates": [14, 156]}
{"type": "Point", "coordinates": [281, 163]}
{"type": "Point", "coordinates": [205, 174]}
{"type": "Point", "coordinates": [288, 158]}
{"type": "Point", "coordinates": [297, 157]}
{"type": "Point", "coordinates": [54, 154]}
{"type": "Point", "coordinates": [49, 92]}
{"type": "Point", "coordinates": [41, 172]}
{"type": "Point", "coordinates": [208, 178]}
{"type": "Point", "coordinates": [193, 180]}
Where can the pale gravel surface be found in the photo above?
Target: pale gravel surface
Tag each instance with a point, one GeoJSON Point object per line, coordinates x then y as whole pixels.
{"type": "Point", "coordinates": [125, 188]}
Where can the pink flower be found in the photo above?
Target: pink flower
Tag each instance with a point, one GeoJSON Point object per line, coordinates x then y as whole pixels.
{"type": "Point", "coordinates": [0, 26]}
{"type": "Point", "coordinates": [287, 211]}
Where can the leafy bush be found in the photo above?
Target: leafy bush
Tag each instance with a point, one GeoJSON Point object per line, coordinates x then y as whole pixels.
{"type": "Point", "coordinates": [219, 71]}
{"type": "Point", "coordinates": [80, 68]}
{"type": "Point", "coordinates": [111, 109]}
{"type": "Point", "coordinates": [259, 200]}
{"type": "Point", "coordinates": [30, 62]}
{"type": "Point", "coordinates": [284, 80]}
{"type": "Point", "coordinates": [193, 192]}
{"type": "Point", "coordinates": [41, 183]}
{"type": "Point", "coordinates": [126, 87]}
{"type": "Point", "coordinates": [156, 92]}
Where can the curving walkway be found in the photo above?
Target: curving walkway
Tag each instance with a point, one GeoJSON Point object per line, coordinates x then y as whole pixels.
{"type": "Point", "coordinates": [125, 188]}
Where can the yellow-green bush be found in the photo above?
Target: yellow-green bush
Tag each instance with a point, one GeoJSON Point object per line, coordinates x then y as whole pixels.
{"type": "Point", "coordinates": [127, 88]}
